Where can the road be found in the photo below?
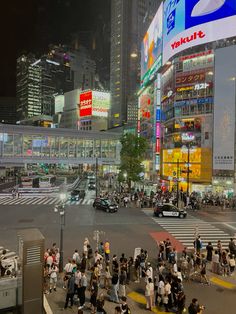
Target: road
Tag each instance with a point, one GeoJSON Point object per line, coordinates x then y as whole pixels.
{"type": "Point", "coordinates": [127, 229]}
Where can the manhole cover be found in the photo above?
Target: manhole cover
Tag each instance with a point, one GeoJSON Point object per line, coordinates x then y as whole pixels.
{"type": "Point", "coordinates": [25, 220]}
{"type": "Point", "coordinates": [220, 290]}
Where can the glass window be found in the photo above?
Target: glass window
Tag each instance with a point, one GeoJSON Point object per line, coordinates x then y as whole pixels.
{"type": "Point", "coordinates": [36, 145]}
{"type": "Point", "coordinates": [18, 145]}
{"type": "Point", "coordinates": [97, 147]}
{"type": "Point", "coordinates": [45, 146]}
{"type": "Point", "coordinates": [80, 148]}
{"type": "Point", "coordinates": [72, 147]}
{"type": "Point", "coordinates": [63, 147]}
{"type": "Point", "coordinates": [27, 145]}
{"type": "Point", "coordinates": [88, 144]}
{"type": "Point", "coordinates": [55, 146]}
{"type": "Point", "coordinates": [8, 145]}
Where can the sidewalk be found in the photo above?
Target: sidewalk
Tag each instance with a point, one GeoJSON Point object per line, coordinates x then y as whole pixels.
{"type": "Point", "coordinates": [136, 301]}
{"type": "Point", "coordinates": [135, 296]}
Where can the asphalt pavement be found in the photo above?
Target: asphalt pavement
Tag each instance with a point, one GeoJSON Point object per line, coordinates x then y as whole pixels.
{"type": "Point", "coordinates": [126, 230]}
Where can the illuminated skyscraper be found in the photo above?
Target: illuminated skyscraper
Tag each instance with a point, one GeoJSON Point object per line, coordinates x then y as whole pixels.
{"type": "Point", "coordinates": [129, 22]}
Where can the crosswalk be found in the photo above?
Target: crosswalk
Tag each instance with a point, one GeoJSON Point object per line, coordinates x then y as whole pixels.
{"type": "Point", "coordinates": [41, 201]}
{"type": "Point", "coordinates": [184, 230]}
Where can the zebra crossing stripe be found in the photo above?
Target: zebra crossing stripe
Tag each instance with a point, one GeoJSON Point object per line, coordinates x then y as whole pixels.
{"type": "Point", "coordinates": [39, 200]}
{"type": "Point", "coordinates": [52, 201]}
{"type": "Point", "coordinates": [6, 200]}
{"type": "Point", "coordinates": [183, 230]}
{"type": "Point", "coordinates": [11, 202]}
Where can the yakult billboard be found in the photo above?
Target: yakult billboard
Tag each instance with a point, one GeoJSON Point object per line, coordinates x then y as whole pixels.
{"type": "Point", "coordinates": [188, 23]}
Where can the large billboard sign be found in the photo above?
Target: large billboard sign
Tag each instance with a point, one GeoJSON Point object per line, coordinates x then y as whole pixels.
{"type": "Point", "coordinates": [86, 103]}
{"type": "Point", "coordinates": [224, 109]}
{"type": "Point", "coordinates": [151, 49]}
{"type": "Point", "coordinates": [188, 23]}
{"type": "Point", "coordinates": [101, 103]}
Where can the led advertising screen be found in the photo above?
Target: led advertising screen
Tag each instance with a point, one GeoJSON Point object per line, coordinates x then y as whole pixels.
{"type": "Point", "coordinates": [152, 47]}
{"type": "Point", "coordinates": [146, 112]}
{"type": "Point", "coordinates": [188, 23]}
{"type": "Point", "coordinates": [86, 103]}
{"type": "Point", "coordinates": [101, 103]}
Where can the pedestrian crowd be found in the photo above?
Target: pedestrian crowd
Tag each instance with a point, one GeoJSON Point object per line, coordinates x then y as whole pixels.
{"type": "Point", "coordinates": [105, 278]}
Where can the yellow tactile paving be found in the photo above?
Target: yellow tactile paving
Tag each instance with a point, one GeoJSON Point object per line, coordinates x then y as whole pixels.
{"type": "Point", "coordinates": [222, 283]}
{"type": "Point", "coordinates": [139, 298]}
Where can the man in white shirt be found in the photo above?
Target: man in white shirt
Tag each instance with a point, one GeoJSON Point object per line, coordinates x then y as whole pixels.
{"type": "Point", "coordinates": [149, 271]}
{"type": "Point", "coordinates": [76, 257]}
{"type": "Point", "coordinates": [97, 256]}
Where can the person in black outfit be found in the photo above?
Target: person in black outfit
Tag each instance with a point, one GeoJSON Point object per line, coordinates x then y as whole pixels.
{"type": "Point", "coordinates": [209, 249]}
{"type": "Point", "coordinates": [194, 307]}
{"type": "Point", "coordinates": [70, 291]}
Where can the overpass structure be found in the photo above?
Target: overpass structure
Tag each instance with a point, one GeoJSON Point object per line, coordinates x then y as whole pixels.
{"type": "Point", "coordinates": [21, 145]}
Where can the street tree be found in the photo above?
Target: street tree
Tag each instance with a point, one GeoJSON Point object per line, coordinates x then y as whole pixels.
{"type": "Point", "coordinates": [132, 155]}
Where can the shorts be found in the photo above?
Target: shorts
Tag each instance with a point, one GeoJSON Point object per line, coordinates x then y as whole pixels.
{"type": "Point", "coordinates": [53, 280]}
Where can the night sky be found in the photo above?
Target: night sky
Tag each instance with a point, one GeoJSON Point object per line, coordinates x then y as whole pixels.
{"type": "Point", "coordinates": [31, 25]}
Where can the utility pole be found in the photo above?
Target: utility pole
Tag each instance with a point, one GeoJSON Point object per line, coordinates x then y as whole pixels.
{"type": "Point", "coordinates": [188, 170]}
{"type": "Point", "coordinates": [96, 173]}
{"type": "Point", "coordinates": [177, 183]}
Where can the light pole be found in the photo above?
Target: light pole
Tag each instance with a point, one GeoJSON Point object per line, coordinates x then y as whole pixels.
{"type": "Point", "coordinates": [61, 209]}
{"type": "Point", "coordinates": [188, 170]}
{"type": "Point", "coordinates": [96, 174]}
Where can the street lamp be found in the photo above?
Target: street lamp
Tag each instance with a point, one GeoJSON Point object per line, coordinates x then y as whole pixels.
{"type": "Point", "coordinates": [96, 174]}
{"type": "Point", "coordinates": [134, 54]}
{"type": "Point", "coordinates": [188, 147]}
{"type": "Point", "coordinates": [61, 210]}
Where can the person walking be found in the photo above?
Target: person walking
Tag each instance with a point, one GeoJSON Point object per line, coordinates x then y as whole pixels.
{"type": "Point", "coordinates": [114, 288]}
{"type": "Point", "coordinates": [149, 294]}
{"type": "Point", "coordinates": [107, 250]}
{"type": "Point", "coordinates": [93, 295]}
{"type": "Point", "coordinates": [70, 291]}
{"type": "Point", "coordinates": [122, 283]}
{"type": "Point", "coordinates": [160, 289]}
{"type": "Point", "coordinates": [53, 271]}
{"type": "Point", "coordinates": [209, 249]}
{"type": "Point", "coordinates": [82, 289]}
{"type": "Point", "coordinates": [100, 304]}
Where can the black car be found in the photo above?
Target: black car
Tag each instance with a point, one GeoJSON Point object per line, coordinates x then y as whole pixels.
{"type": "Point", "coordinates": [76, 195]}
{"type": "Point", "coordinates": [169, 210]}
{"type": "Point", "coordinates": [92, 186]}
{"type": "Point", "coordinates": [105, 204]}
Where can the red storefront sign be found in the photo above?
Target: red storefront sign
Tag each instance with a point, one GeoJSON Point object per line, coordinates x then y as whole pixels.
{"type": "Point", "coordinates": [86, 104]}
{"type": "Point", "coordinates": [190, 78]}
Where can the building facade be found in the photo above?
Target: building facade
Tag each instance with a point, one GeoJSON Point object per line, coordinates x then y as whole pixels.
{"type": "Point", "coordinates": [38, 80]}
{"type": "Point", "coordinates": [187, 120]}
{"type": "Point", "coordinates": [129, 22]}
{"type": "Point", "coordinates": [86, 110]}
{"type": "Point", "coordinates": [8, 110]}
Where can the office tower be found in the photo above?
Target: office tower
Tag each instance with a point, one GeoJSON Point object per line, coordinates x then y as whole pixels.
{"type": "Point", "coordinates": [28, 87]}
{"type": "Point", "coordinates": [38, 80]}
{"type": "Point", "coordinates": [8, 110]}
{"type": "Point", "coordinates": [129, 22]}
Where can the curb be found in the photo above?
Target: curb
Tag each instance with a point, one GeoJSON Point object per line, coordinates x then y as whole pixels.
{"type": "Point", "coordinates": [46, 306]}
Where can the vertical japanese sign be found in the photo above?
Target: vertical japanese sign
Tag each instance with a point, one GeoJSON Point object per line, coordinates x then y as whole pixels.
{"type": "Point", "coordinates": [85, 104]}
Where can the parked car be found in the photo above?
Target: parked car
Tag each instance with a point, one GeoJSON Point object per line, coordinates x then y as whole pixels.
{"type": "Point", "coordinates": [169, 210]}
{"type": "Point", "coordinates": [105, 205]}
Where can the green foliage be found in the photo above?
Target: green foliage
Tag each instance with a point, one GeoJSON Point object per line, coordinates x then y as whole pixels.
{"type": "Point", "coordinates": [132, 155]}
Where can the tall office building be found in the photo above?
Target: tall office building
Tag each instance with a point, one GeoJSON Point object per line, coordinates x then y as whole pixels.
{"type": "Point", "coordinates": [28, 87]}
{"type": "Point", "coordinates": [38, 80]}
{"type": "Point", "coordinates": [129, 22]}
